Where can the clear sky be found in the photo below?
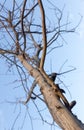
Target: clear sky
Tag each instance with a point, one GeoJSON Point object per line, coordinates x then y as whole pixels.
{"type": "Point", "coordinates": [72, 51]}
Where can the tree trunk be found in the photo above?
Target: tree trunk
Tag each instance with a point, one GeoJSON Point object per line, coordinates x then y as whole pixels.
{"type": "Point", "coordinates": [61, 115]}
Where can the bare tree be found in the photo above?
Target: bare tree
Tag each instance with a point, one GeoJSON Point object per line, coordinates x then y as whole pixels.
{"type": "Point", "coordinates": [28, 35]}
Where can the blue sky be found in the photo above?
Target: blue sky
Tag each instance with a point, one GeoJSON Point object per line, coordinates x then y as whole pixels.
{"type": "Point", "coordinates": [72, 51]}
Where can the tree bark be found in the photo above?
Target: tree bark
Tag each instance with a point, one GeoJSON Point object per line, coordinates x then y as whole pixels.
{"type": "Point", "coordinates": [61, 115]}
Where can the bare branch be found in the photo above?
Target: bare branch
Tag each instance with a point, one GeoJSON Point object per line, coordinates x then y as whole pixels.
{"type": "Point", "coordinates": [30, 92]}
{"type": "Point", "coordinates": [3, 51]}
{"type": "Point", "coordinates": [22, 23]}
{"type": "Point", "coordinates": [26, 14]}
{"type": "Point", "coordinates": [44, 35]}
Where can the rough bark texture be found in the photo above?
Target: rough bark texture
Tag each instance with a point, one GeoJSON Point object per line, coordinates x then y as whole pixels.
{"type": "Point", "coordinates": [61, 115]}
